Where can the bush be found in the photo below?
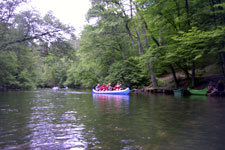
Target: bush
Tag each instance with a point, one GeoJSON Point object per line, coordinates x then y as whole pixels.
{"type": "Point", "coordinates": [8, 67]}
{"type": "Point", "coordinates": [128, 72]}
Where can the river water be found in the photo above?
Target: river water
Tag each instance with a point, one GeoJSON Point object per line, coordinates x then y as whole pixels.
{"type": "Point", "coordinates": [77, 120]}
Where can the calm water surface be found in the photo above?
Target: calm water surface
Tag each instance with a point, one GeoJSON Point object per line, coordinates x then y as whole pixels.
{"type": "Point", "coordinates": [69, 119]}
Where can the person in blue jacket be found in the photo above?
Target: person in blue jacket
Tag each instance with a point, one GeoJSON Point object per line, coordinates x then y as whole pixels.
{"type": "Point", "coordinates": [97, 88]}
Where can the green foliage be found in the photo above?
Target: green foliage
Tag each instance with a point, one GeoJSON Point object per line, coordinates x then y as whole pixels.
{"type": "Point", "coordinates": [179, 34]}
{"type": "Point", "coordinates": [21, 36]}
{"type": "Point", "coordinates": [87, 74]}
{"type": "Point", "coordinates": [34, 51]}
{"type": "Point", "coordinates": [17, 69]}
{"type": "Point", "coordinates": [8, 67]}
{"type": "Point", "coordinates": [25, 80]}
{"type": "Point", "coordinates": [128, 72]}
{"type": "Point", "coordinates": [194, 44]}
{"type": "Point", "coordinates": [54, 71]}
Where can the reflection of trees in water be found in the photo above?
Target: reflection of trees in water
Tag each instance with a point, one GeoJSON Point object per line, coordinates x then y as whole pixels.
{"type": "Point", "coordinates": [14, 116]}
{"type": "Point", "coordinates": [182, 121]}
{"type": "Point", "coordinates": [113, 126]}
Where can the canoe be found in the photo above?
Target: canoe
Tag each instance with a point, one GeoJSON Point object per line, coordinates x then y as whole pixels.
{"type": "Point", "coordinates": [120, 92]}
{"type": "Point", "coordinates": [197, 92]}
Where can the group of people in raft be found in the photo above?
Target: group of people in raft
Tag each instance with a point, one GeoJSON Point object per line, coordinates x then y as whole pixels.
{"type": "Point", "coordinates": [214, 88]}
{"type": "Point", "coordinates": [108, 87]}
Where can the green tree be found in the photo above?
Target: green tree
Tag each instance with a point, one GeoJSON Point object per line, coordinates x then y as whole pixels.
{"type": "Point", "coordinates": [8, 67]}
{"type": "Point", "coordinates": [189, 21]}
{"type": "Point", "coordinates": [129, 72]}
{"type": "Point", "coordinates": [21, 36]}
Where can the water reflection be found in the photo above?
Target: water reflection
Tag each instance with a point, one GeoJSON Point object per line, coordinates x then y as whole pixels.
{"type": "Point", "coordinates": [216, 100]}
{"type": "Point", "coordinates": [72, 120]}
{"type": "Point", "coordinates": [198, 97]}
{"type": "Point", "coordinates": [110, 97]}
{"type": "Point", "coordinates": [118, 103]}
{"type": "Point", "coordinates": [51, 131]}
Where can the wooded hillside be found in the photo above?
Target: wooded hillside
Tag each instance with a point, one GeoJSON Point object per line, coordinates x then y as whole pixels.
{"type": "Point", "coordinates": [133, 42]}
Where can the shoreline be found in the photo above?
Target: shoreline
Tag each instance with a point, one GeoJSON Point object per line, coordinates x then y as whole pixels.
{"type": "Point", "coordinates": [152, 90]}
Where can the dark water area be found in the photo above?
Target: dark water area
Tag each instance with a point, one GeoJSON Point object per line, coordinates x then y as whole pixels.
{"type": "Point", "coordinates": [69, 119]}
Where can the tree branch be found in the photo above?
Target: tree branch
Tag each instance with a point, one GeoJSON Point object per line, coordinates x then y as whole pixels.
{"type": "Point", "coordinates": [28, 38]}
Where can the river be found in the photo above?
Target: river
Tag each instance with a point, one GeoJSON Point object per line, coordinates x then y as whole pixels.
{"type": "Point", "coordinates": [77, 120]}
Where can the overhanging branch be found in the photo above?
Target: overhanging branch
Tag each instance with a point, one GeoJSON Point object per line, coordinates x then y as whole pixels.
{"type": "Point", "coordinates": [27, 38]}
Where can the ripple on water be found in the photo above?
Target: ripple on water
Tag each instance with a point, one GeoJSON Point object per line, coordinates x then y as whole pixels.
{"type": "Point", "coordinates": [66, 131]}
{"type": "Point", "coordinates": [54, 120]}
{"type": "Point", "coordinates": [71, 144]}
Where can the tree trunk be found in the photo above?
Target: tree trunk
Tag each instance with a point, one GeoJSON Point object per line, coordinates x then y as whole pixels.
{"type": "Point", "coordinates": [126, 21]}
{"type": "Point", "coordinates": [193, 74]}
{"type": "Point", "coordinates": [145, 36]}
{"type": "Point", "coordinates": [150, 66]}
{"type": "Point", "coordinates": [223, 56]}
{"type": "Point", "coordinates": [118, 42]}
{"type": "Point", "coordinates": [140, 48]}
{"type": "Point", "coordinates": [174, 76]}
{"type": "Point", "coordinates": [131, 12]}
{"type": "Point", "coordinates": [155, 40]}
{"type": "Point", "coordinates": [184, 69]}
{"type": "Point", "coordinates": [121, 50]}
{"type": "Point", "coordinates": [151, 72]}
{"type": "Point", "coordinates": [144, 27]}
{"type": "Point", "coordinates": [130, 36]}
{"type": "Point", "coordinates": [222, 60]}
{"type": "Point", "coordinates": [211, 3]}
{"type": "Point", "coordinates": [187, 13]}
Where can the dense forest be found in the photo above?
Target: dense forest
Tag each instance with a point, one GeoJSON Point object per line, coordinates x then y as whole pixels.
{"type": "Point", "coordinates": [134, 42]}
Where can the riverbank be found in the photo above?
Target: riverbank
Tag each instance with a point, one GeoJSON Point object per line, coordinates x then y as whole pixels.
{"type": "Point", "coordinates": [3, 89]}
{"type": "Point", "coordinates": [167, 86]}
{"type": "Point", "coordinates": [152, 90]}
